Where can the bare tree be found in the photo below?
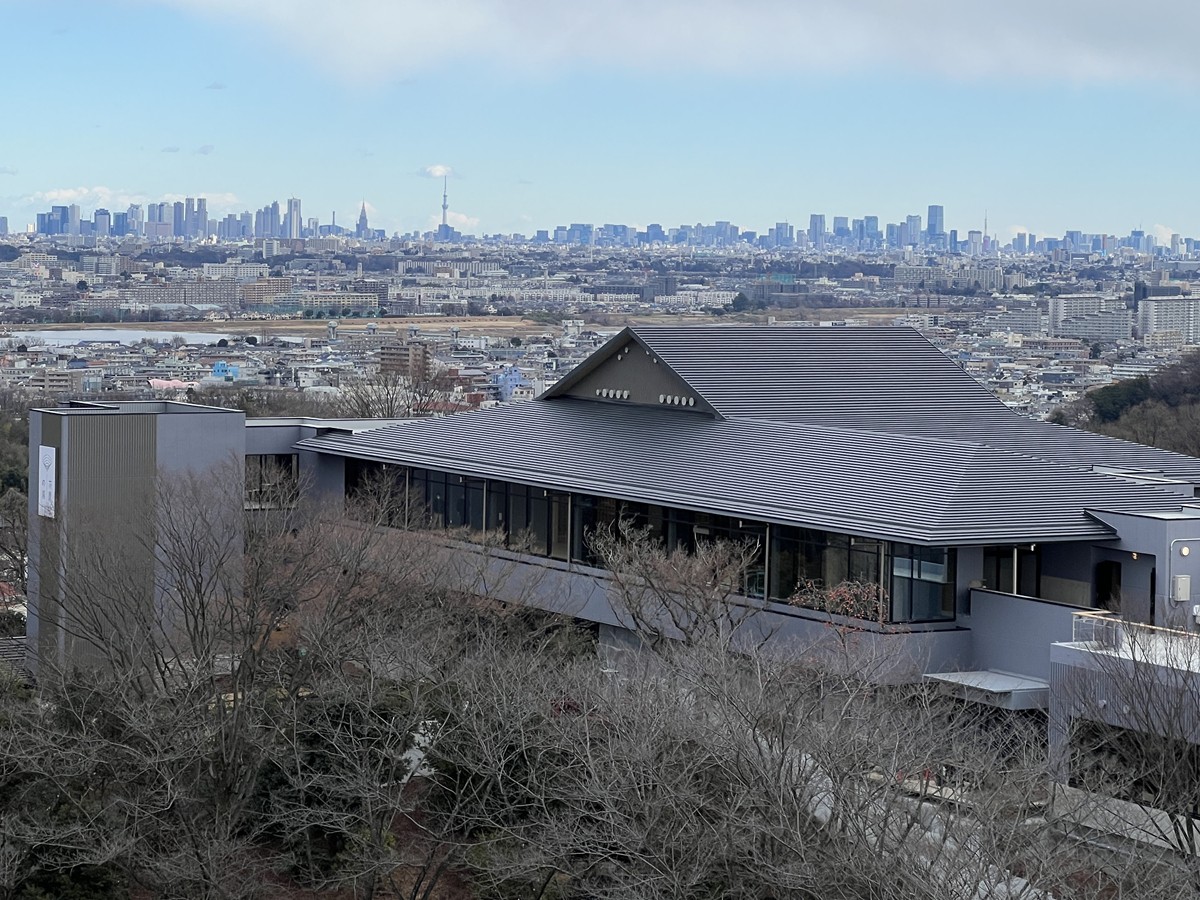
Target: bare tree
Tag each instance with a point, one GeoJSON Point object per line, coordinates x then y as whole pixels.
{"type": "Point", "coordinates": [673, 594]}
{"type": "Point", "coordinates": [391, 395]}
{"type": "Point", "coordinates": [1125, 734]}
{"type": "Point", "coordinates": [14, 539]}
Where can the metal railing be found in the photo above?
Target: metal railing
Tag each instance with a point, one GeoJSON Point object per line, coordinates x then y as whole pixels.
{"type": "Point", "coordinates": [1107, 632]}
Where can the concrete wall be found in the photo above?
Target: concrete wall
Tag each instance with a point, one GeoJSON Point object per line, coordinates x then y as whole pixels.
{"type": "Point", "coordinates": [1066, 574]}
{"type": "Point", "coordinates": [1159, 540]}
{"type": "Point", "coordinates": [199, 441]}
{"type": "Point", "coordinates": [1014, 634]}
{"type": "Point", "coordinates": [113, 465]}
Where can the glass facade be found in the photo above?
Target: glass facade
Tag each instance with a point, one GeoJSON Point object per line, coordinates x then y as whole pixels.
{"type": "Point", "coordinates": [272, 480]}
{"type": "Point", "coordinates": [878, 580]}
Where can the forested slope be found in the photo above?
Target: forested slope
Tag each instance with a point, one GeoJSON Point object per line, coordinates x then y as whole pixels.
{"type": "Point", "coordinates": [1161, 411]}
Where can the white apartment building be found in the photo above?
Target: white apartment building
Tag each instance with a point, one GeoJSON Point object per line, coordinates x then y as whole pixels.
{"type": "Point", "coordinates": [1163, 314]}
{"type": "Point", "coordinates": [241, 271]}
{"type": "Point", "coordinates": [1093, 317]}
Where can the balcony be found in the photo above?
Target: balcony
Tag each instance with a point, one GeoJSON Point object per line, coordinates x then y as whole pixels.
{"type": "Point", "coordinates": [1127, 675]}
{"type": "Point", "coordinates": [1105, 634]}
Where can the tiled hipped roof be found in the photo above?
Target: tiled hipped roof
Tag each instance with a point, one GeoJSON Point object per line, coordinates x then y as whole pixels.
{"type": "Point", "coordinates": [867, 431]}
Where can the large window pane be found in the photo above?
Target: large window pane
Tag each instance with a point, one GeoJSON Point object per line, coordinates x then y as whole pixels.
{"type": "Point", "coordinates": [474, 513]}
{"type": "Point", "coordinates": [922, 583]}
{"type": "Point", "coordinates": [456, 502]}
{"type": "Point", "coordinates": [518, 511]}
{"type": "Point", "coordinates": [539, 521]}
{"type": "Point", "coordinates": [497, 505]}
{"type": "Point", "coordinates": [560, 526]}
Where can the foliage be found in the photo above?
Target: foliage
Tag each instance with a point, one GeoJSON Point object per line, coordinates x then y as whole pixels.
{"type": "Point", "coordinates": [12, 624]}
{"type": "Point", "coordinates": [331, 703]}
{"type": "Point", "coordinates": [1111, 402]}
{"type": "Point", "coordinates": [856, 599]}
{"type": "Point", "coordinates": [1162, 410]}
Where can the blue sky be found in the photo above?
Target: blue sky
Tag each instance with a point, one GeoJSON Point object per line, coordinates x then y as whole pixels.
{"type": "Point", "coordinates": [1078, 116]}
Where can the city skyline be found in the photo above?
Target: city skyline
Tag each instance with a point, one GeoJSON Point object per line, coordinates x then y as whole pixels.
{"type": "Point", "coordinates": [188, 220]}
{"type": "Point", "coordinates": [541, 115]}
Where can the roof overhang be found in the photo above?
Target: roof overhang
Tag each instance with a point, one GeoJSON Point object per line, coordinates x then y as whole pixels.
{"type": "Point", "coordinates": [1000, 689]}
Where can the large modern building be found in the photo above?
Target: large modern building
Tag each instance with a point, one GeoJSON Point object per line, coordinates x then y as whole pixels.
{"type": "Point", "coordinates": [986, 541]}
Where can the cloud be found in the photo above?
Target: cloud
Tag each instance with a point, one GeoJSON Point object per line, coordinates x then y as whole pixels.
{"type": "Point", "coordinates": [7, 170]}
{"type": "Point", "coordinates": [171, 149]}
{"type": "Point", "coordinates": [215, 86]}
{"type": "Point", "coordinates": [1069, 39]}
{"type": "Point", "coordinates": [437, 170]}
{"type": "Point", "coordinates": [204, 150]}
{"type": "Point", "coordinates": [1163, 234]}
{"type": "Point", "coordinates": [219, 202]}
{"type": "Point", "coordinates": [90, 197]}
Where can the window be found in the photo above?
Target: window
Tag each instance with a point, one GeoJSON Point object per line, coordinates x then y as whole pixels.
{"type": "Point", "coordinates": [808, 565]}
{"type": "Point", "coordinates": [922, 583]}
{"type": "Point", "coordinates": [998, 570]}
{"type": "Point", "coordinates": [272, 480]}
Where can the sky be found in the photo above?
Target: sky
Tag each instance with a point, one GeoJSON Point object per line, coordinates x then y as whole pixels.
{"type": "Point", "coordinates": [1041, 117]}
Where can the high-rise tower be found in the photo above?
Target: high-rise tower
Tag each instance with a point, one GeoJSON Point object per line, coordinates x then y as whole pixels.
{"type": "Point", "coordinates": [445, 202]}
{"type": "Point", "coordinates": [935, 224]}
{"type": "Point", "coordinates": [295, 224]}
{"type": "Point", "coordinates": [361, 230]}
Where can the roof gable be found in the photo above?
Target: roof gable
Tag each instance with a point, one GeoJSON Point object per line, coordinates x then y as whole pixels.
{"type": "Point", "coordinates": [847, 377]}
{"type": "Point", "coordinates": [628, 373]}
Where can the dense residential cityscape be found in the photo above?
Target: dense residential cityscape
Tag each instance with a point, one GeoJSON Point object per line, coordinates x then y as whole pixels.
{"type": "Point", "coordinates": [1039, 320]}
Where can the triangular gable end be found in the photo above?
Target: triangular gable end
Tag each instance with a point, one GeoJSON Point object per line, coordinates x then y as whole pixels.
{"type": "Point", "coordinates": [625, 371]}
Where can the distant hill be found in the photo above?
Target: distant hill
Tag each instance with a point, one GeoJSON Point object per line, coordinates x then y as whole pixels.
{"type": "Point", "coordinates": [1161, 411]}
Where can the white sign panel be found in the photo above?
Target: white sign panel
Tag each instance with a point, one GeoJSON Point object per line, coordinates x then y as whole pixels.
{"type": "Point", "coordinates": [46, 481]}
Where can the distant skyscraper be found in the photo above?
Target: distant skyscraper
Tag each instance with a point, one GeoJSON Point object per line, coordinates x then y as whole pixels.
{"type": "Point", "coordinates": [295, 224]}
{"type": "Point", "coordinates": [3, 225]}
{"type": "Point", "coordinates": [816, 231]}
{"type": "Point", "coordinates": [101, 223]}
{"type": "Point", "coordinates": [936, 222]}
{"type": "Point", "coordinates": [73, 219]}
{"type": "Point", "coordinates": [134, 218]}
{"type": "Point", "coordinates": [935, 228]}
{"type": "Point", "coordinates": [200, 229]}
{"type": "Point", "coordinates": [189, 217]}
{"type": "Point", "coordinates": [914, 230]}
{"type": "Point", "coordinates": [178, 220]}
{"type": "Point", "coordinates": [361, 230]}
